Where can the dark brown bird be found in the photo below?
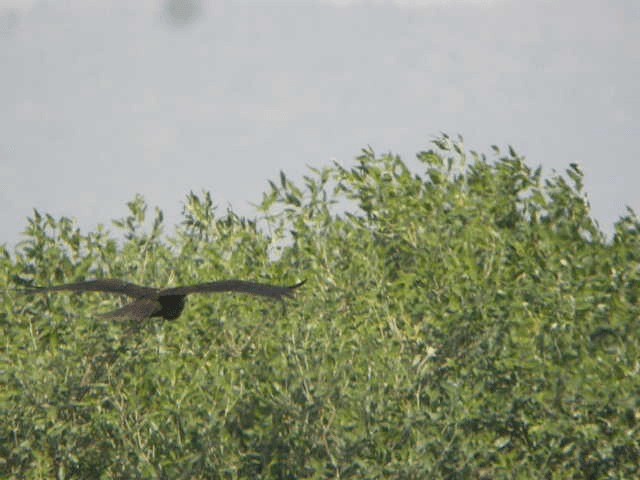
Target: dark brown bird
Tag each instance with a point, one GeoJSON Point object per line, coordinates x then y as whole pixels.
{"type": "Point", "coordinates": [167, 303]}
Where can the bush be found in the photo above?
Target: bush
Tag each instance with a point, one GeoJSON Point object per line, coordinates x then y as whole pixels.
{"type": "Point", "coordinates": [470, 321]}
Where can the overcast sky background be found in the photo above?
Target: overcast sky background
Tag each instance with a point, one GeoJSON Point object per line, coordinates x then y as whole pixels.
{"type": "Point", "coordinates": [100, 100]}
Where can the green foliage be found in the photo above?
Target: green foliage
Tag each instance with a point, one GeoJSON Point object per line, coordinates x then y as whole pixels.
{"type": "Point", "coordinates": [466, 321]}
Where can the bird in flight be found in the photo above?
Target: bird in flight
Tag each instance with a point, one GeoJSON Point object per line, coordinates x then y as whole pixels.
{"type": "Point", "coordinates": [167, 303]}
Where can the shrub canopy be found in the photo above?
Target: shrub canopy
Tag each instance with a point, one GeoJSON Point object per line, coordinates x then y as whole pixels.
{"type": "Point", "coordinates": [466, 321]}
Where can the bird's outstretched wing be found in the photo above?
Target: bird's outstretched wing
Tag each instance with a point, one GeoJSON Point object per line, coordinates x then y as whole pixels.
{"type": "Point", "coordinates": [252, 288]}
{"type": "Point", "coordinates": [102, 285]}
{"type": "Point", "coordinates": [138, 310]}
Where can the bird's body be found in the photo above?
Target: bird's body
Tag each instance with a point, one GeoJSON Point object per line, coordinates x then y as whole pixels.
{"type": "Point", "coordinates": [171, 306]}
{"type": "Point", "coordinates": [166, 303]}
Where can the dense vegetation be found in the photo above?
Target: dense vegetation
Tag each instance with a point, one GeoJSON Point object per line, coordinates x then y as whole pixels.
{"type": "Point", "coordinates": [466, 321]}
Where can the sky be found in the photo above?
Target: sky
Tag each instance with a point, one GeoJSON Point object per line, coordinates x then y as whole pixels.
{"type": "Point", "coordinates": [101, 100]}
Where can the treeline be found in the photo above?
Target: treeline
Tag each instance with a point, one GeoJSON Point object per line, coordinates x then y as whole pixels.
{"type": "Point", "coordinates": [468, 320]}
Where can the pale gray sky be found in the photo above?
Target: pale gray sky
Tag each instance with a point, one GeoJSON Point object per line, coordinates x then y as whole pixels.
{"type": "Point", "coordinates": [101, 100]}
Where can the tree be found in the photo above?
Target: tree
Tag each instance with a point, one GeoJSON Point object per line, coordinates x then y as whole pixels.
{"type": "Point", "coordinates": [466, 320]}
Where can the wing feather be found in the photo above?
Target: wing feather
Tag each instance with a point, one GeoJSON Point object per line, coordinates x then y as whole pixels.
{"type": "Point", "coordinates": [138, 310]}
{"type": "Point", "coordinates": [101, 285]}
{"type": "Point", "coordinates": [241, 286]}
